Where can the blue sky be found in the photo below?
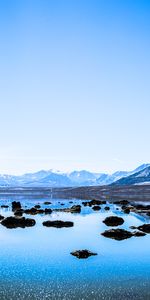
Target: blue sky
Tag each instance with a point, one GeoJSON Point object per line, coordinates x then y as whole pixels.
{"type": "Point", "coordinates": [74, 85]}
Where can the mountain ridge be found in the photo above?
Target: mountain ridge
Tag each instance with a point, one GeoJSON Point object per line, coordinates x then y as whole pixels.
{"type": "Point", "coordinates": [52, 178]}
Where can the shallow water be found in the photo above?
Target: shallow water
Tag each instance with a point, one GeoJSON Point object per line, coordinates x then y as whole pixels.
{"type": "Point", "coordinates": [35, 262]}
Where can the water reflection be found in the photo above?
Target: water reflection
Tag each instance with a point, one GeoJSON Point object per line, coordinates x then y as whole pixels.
{"type": "Point", "coordinates": [35, 262]}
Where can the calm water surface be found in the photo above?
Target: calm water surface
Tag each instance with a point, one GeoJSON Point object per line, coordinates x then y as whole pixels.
{"type": "Point", "coordinates": [35, 262]}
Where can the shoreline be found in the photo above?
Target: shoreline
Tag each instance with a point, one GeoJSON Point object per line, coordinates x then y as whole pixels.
{"type": "Point", "coordinates": [131, 192]}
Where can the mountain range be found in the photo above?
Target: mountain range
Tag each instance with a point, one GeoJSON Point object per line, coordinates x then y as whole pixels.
{"type": "Point", "coordinates": [50, 178]}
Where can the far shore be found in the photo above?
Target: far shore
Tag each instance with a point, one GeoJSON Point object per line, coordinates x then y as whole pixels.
{"type": "Point", "coordinates": [130, 192]}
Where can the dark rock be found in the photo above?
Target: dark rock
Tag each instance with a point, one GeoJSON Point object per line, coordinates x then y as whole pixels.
{"type": "Point", "coordinates": [47, 203]}
{"type": "Point", "coordinates": [92, 202]}
{"type": "Point", "coordinates": [138, 233]}
{"type": "Point", "coordinates": [4, 206]}
{"type": "Point", "coordinates": [83, 253]}
{"type": "Point", "coordinates": [142, 207]}
{"type": "Point", "coordinates": [16, 205]}
{"type": "Point", "coordinates": [70, 202]}
{"type": "Point", "coordinates": [62, 204]}
{"type": "Point", "coordinates": [126, 210]}
{"type": "Point", "coordinates": [48, 211]}
{"type": "Point", "coordinates": [58, 224]}
{"type": "Point", "coordinates": [113, 221]}
{"type": "Point", "coordinates": [1, 217]}
{"type": "Point", "coordinates": [107, 208]}
{"type": "Point", "coordinates": [117, 234]}
{"type": "Point", "coordinates": [18, 212]}
{"type": "Point", "coordinates": [35, 211]}
{"type": "Point", "coordinates": [13, 222]}
{"type": "Point", "coordinates": [124, 202]}
{"type": "Point", "coordinates": [75, 209]}
{"type": "Point", "coordinates": [37, 206]}
{"type": "Point", "coordinates": [86, 203]}
{"type": "Point", "coordinates": [103, 202]}
{"type": "Point", "coordinates": [72, 209]}
{"type": "Point", "coordinates": [96, 207]}
{"type": "Point", "coordinates": [145, 228]}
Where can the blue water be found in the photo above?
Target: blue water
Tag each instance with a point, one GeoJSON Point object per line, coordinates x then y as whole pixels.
{"type": "Point", "coordinates": [35, 262]}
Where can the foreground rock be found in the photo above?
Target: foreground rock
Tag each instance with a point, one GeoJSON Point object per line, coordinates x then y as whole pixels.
{"type": "Point", "coordinates": [117, 234]}
{"type": "Point", "coordinates": [16, 205]}
{"type": "Point", "coordinates": [83, 253]}
{"type": "Point", "coordinates": [58, 224]}
{"type": "Point", "coordinates": [13, 222]}
{"type": "Point", "coordinates": [113, 221]}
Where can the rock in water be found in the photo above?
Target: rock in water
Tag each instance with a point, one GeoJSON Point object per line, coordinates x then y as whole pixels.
{"type": "Point", "coordinates": [138, 233]}
{"type": "Point", "coordinates": [4, 206]}
{"type": "Point", "coordinates": [107, 208]}
{"type": "Point", "coordinates": [16, 205]}
{"type": "Point", "coordinates": [96, 207]}
{"type": "Point", "coordinates": [117, 234]}
{"type": "Point", "coordinates": [113, 221]}
{"type": "Point", "coordinates": [82, 253]}
{"type": "Point", "coordinates": [145, 228]}
{"type": "Point", "coordinates": [58, 224]}
{"type": "Point", "coordinates": [72, 209]}
{"type": "Point", "coordinates": [37, 206]}
{"type": "Point", "coordinates": [13, 222]}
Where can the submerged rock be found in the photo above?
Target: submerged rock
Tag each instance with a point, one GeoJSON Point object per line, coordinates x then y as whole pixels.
{"type": "Point", "coordinates": [82, 253]}
{"type": "Point", "coordinates": [58, 224]}
{"type": "Point", "coordinates": [113, 221]}
{"type": "Point", "coordinates": [117, 234]}
{"type": "Point", "coordinates": [96, 207]}
{"type": "Point", "coordinates": [13, 222]}
{"type": "Point", "coordinates": [16, 205]}
{"type": "Point", "coordinates": [47, 203]}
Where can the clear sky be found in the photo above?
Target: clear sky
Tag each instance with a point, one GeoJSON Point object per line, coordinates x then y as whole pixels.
{"type": "Point", "coordinates": [74, 85]}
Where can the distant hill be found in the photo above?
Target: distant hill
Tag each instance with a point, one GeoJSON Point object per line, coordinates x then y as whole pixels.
{"type": "Point", "coordinates": [52, 178]}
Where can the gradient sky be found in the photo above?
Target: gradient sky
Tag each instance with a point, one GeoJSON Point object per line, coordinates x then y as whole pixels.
{"type": "Point", "coordinates": [74, 85]}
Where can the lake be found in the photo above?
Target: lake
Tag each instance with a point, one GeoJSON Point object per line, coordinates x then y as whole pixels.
{"type": "Point", "coordinates": [35, 262]}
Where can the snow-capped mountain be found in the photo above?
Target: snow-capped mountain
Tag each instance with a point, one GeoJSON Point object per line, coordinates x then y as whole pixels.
{"type": "Point", "coordinates": [52, 178]}
{"type": "Point", "coordinates": [140, 177]}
